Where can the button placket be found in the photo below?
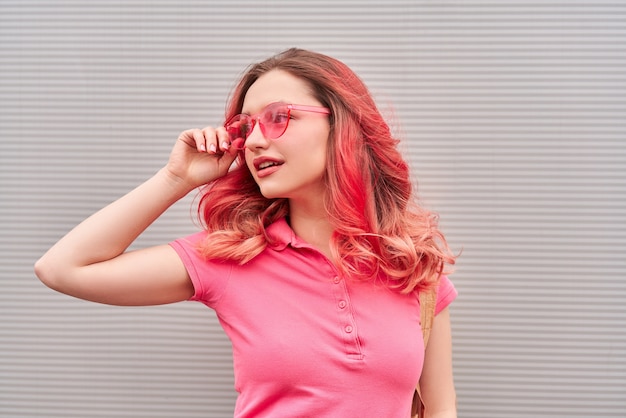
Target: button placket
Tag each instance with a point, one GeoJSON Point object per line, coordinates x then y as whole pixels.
{"type": "Point", "coordinates": [346, 319]}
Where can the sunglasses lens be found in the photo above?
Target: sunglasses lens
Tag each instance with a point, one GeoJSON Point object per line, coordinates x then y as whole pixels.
{"type": "Point", "coordinates": [238, 128]}
{"type": "Point", "coordinates": [274, 120]}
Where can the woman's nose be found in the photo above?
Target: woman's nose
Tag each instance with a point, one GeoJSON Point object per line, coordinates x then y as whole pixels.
{"type": "Point", "coordinates": [256, 139]}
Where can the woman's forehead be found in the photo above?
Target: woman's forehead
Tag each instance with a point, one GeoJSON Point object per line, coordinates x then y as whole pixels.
{"type": "Point", "coordinates": [277, 86]}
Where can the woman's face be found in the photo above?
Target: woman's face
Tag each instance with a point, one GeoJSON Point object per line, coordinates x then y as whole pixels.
{"type": "Point", "coordinates": [293, 165]}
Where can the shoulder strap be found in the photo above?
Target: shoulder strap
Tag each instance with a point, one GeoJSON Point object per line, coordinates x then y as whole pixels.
{"type": "Point", "coordinates": [428, 301]}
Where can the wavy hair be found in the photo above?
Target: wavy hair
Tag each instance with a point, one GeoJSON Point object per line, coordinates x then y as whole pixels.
{"type": "Point", "coordinates": [379, 231]}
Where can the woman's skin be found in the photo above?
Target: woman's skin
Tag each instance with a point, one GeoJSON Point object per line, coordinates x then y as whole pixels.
{"type": "Point", "coordinates": [92, 262]}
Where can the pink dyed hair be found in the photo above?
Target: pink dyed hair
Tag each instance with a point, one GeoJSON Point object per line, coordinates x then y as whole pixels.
{"type": "Point", "coordinates": [379, 231]}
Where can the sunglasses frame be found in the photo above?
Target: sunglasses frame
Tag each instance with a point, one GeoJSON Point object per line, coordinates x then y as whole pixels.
{"type": "Point", "coordinates": [253, 119]}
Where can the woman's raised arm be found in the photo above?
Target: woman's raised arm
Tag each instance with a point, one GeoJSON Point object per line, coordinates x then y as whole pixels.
{"type": "Point", "coordinates": [91, 261]}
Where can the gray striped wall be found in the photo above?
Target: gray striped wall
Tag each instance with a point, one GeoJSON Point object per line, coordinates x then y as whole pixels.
{"type": "Point", "coordinates": [513, 118]}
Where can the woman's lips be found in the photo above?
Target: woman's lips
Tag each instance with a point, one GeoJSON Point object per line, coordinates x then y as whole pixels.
{"type": "Point", "coordinates": [264, 172]}
{"type": "Point", "coordinates": [265, 166]}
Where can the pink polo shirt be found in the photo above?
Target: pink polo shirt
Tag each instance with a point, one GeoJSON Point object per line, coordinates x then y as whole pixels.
{"type": "Point", "coordinates": [307, 342]}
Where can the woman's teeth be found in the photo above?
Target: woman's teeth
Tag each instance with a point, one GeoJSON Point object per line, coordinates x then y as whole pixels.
{"type": "Point", "coordinates": [266, 164]}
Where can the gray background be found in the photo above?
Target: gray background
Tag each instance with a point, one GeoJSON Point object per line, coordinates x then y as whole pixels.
{"type": "Point", "coordinates": [512, 115]}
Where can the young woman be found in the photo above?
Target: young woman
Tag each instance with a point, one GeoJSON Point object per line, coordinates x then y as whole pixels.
{"type": "Point", "coordinates": [312, 255]}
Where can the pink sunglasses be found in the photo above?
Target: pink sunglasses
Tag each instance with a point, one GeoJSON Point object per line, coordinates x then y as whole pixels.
{"type": "Point", "coordinates": [273, 121]}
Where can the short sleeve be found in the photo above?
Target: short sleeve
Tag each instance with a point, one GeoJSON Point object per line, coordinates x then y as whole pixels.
{"type": "Point", "coordinates": [446, 293]}
{"type": "Point", "coordinates": [209, 277]}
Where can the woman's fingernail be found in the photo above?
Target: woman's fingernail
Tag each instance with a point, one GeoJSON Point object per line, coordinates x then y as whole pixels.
{"type": "Point", "coordinates": [212, 148]}
{"type": "Point", "coordinates": [225, 145]}
{"type": "Point", "coordinates": [203, 147]}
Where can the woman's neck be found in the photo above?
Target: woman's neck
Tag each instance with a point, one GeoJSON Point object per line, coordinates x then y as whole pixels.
{"type": "Point", "coordinates": [312, 224]}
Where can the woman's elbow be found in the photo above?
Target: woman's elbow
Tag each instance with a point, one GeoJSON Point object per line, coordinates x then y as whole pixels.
{"type": "Point", "coordinates": [47, 273]}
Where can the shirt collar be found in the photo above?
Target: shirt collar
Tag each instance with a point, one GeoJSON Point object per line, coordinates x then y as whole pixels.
{"type": "Point", "coordinates": [281, 235]}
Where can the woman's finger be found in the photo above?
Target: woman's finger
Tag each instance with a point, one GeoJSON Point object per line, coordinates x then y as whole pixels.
{"type": "Point", "coordinates": [199, 138]}
{"type": "Point", "coordinates": [223, 139]}
{"type": "Point", "coordinates": [210, 139]}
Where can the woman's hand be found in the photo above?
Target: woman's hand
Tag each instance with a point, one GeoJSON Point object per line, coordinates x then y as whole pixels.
{"type": "Point", "coordinates": [201, 156]}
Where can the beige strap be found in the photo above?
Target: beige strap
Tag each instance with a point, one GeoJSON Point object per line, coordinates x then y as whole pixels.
{"type": "Point", "coordinates": [428, 300]}
{"type": "Point", "coordinates": [427, 313]}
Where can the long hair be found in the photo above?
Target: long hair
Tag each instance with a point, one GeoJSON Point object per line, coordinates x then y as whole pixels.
{"type": "Point", "coordinates": [379, 231]}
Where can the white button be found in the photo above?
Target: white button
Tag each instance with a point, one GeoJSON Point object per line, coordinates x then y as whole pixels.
{"type": "Point", "coordinates": [348, 328]}
{"type": "Point", "coordinates": [336, 280]}
{"type": "Point", "coordinates": [342, 304]}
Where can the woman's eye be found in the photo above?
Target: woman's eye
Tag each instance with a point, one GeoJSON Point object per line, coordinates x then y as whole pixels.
{"type": "Point", "coordinates": [280, 117]}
